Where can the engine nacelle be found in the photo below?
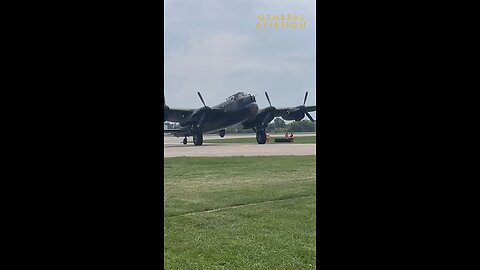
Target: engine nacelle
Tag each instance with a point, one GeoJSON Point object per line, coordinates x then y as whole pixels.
{"type": "Point", "coordinates": [296, 115]}
{"type": "Point", "coordinates": [300, 117]}
{"type": "Point", "coordinates": [222, 133]}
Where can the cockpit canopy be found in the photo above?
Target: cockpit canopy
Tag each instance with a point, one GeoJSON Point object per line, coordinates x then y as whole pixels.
{"type": "Point", "coordinates": [237, 96]}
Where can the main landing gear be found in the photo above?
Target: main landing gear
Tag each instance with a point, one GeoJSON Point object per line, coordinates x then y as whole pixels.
{"type": "Point", "coordinates": [197, 138]}
{"type": "Point", "coordinates": [261, 135]}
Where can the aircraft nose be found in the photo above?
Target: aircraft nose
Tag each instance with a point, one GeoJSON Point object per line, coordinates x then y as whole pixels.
{"type": "Point", "coordinates": [249, 99]}
{"type": "Point", "coordinates": [252, 108]}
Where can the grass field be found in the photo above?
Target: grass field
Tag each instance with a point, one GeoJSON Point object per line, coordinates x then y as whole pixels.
{"type": "Point", "coordinates": [240, 212]}
{"type": "Point", "coordinates": [302, 139]}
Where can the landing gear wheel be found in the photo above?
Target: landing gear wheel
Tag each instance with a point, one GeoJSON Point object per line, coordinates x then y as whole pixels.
{"type": "Point", "coordinates": [198, 138]}
{"type": "Point", "coordinates": [185, 140]}
{"type": "Point", "coordinates": [261, 137]}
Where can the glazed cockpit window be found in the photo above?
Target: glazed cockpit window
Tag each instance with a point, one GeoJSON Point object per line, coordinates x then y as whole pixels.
{"type": "Point", "coordinates": [236, 96]}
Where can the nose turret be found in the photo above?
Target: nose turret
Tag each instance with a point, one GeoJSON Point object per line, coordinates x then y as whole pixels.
{"type": "Point", "coordinates": [247, 99]}
{"type": "Point", "coordinates": [252, 108]}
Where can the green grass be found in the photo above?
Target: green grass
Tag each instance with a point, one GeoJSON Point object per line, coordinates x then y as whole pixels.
{"type": "Point", "coordinates": [263, 212]}
{"type": "Point", "coordinates": [298, 140]}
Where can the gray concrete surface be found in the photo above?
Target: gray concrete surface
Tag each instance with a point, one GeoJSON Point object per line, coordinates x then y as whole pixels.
{"type": "Point", "coordinates": [174, 148]}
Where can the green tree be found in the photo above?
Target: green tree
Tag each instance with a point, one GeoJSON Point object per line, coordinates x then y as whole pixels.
{"type": "Point", "coordinates": [302, 126]}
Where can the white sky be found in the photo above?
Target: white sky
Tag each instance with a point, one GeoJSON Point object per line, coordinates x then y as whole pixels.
{"type": "Point", "coordinates": [213, 46]}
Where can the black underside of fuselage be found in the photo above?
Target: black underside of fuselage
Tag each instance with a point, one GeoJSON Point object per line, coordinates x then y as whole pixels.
{"type": "Point", "coordinates": [214, 123]}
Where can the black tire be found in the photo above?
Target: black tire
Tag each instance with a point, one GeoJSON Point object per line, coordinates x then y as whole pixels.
{"type": "Point", "coordinates": [198, 138]}
{"type": "Point", "coordinates": [261, 137]}
{"type": "Point", "coordinates": [185, 141]}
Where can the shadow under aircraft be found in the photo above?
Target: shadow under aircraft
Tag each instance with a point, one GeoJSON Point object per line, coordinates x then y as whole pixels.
{"type": "Point", "coordinates": [238, 108]}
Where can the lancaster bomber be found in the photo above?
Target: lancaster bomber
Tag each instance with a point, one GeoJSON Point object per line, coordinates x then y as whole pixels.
{"type": "Point", "coordinates": [238, 108]}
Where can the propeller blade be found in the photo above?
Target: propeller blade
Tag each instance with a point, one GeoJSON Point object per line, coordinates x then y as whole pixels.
{"type": "Point", "coordinates": [309, 116]}
{"type": "Point", "coordinates": [268, 98]}
{"type": "Point", "coordinates": [305, 100]}
{"type": "Point", "coordinates": [201, 98]}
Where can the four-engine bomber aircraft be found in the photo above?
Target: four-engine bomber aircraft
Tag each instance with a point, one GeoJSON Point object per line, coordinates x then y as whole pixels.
{"type": "Point", "coordinates": [238, 108]}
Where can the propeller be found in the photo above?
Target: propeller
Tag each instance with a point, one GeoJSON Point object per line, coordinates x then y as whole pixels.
{"type": "Point", "coordinates": [268, 116]}
{"type": "Point", "coordinates": [205, 110]}
{"type": "Point", "coordinates": [310, 117]}
{"type": "Point", "coordinates": [201, 98]}
{"type": "Point", "coordinates": [302, 109]}
{"type": "Point", "coordinates": [266, 94]}
{"type": "Point", "coordinates": [305, 108]}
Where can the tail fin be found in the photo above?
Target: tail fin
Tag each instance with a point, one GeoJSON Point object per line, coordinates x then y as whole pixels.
{"type": "Point", "coordinates": [166, 109]}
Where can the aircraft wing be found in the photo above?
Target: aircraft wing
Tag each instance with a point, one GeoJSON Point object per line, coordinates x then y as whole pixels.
{"type": "Point", "coordinates": [176, 115]}
{"type": "Point", "coordinates": [171, 130]}
{"type": "Point", "coordinates": [284, 111]}
{"type": "Point", "coordinates": [178, 132]}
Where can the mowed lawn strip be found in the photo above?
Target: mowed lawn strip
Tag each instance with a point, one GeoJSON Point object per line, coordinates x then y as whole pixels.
{"type": "Point", "coordinates": [266, 218]}
{"type": "Point", "coordinates": [195, 184]}
{"type": "Point", "coordinates": [297, 140]}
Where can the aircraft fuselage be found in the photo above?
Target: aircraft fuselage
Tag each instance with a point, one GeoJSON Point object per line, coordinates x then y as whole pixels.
{"type": "Point", "coordinates": [233, 111]}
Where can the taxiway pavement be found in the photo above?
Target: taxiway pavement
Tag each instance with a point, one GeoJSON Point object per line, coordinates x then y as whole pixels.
{"type": "Point", "coordinates": [174, 148]}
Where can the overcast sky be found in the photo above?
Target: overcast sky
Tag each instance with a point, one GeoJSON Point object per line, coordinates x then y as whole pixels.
{"type": "Point", "coordinates": [213, 46]}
